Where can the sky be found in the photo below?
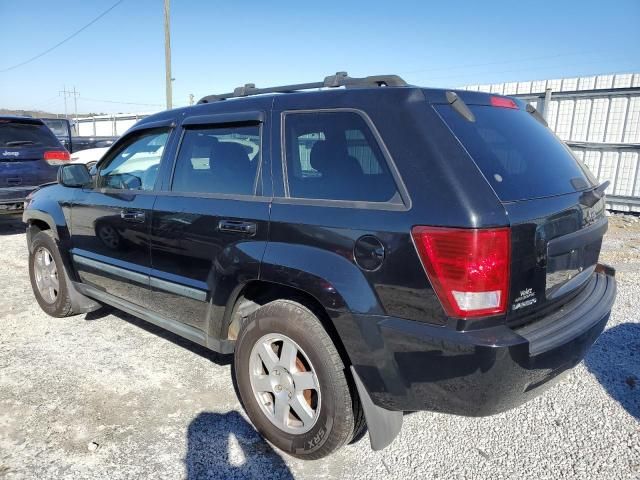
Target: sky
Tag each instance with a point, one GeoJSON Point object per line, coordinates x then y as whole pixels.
{"type": "Point", "coordinates": [117, 63]}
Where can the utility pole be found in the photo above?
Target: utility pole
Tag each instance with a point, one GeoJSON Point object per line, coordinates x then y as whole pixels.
{"type": "Point", "coordinates": [64, 95]}
{"type": "Point", "coordinates": [75, 101]}
{"type": "Point", "coordinates": [167, 55]}
{"type": "Point", "coordinates": [191, 99]}
{"type": "Point", "coordinates": [68, 93]}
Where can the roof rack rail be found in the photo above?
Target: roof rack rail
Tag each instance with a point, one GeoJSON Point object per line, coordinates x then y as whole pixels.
{"type": "Point", "coordinates": [340, 79]}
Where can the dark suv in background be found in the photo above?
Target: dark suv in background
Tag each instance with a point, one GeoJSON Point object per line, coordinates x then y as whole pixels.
{"type": "Point", "coordinates": [30, 155]}
{"type": "Point", "coordinates": [363, 251]}
{"type": "Point", "coordinates": [61, 128]}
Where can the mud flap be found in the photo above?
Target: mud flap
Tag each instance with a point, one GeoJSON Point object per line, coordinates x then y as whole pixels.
{"type": "Point", "coordinates": [383, 425]}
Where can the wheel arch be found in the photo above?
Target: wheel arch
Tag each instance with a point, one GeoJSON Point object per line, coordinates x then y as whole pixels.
{"type": "Point", "coordinates": [254, 294]}
{"type": "Point", "coordinates": [38, 221]}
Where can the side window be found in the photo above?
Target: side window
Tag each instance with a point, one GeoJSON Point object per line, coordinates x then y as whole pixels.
{"type": "Point", "coordinates": [135, 166]}
{"type": "Point", "coordinates": [218, 160]}
{"type": "Point", "coordinates": [334, 156]}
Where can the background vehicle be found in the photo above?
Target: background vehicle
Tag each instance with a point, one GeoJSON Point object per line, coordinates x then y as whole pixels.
{"type": "Point", "coordinates": [89, 157]}
{"type": "Point", "coordinates": [362, 251]}
{"type": "Point", "coordinates": [29, 156]}
{"type": "Point", "coordinates": [63, 129]}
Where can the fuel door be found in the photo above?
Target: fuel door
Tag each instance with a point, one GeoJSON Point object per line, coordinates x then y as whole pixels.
{"type": "Point", "coordinates": [369, 253]}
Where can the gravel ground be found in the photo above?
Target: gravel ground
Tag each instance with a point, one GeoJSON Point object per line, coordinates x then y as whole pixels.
{"type": "Point", "coordinates": [104, 395]}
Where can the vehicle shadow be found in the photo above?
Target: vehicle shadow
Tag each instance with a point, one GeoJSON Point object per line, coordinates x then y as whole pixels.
{"type": "Point", "coordinates": [216, 358]}
{"type": "Point", "coordinates": [11, 224]}
{"type": "Point", "coordinates": [225, 445]}
{"type": "Point", "coordinates": [615, 361]}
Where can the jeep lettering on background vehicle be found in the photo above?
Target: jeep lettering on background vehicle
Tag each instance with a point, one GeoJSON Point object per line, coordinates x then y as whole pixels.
{"type": "Point", "coordinates": [361, 251]}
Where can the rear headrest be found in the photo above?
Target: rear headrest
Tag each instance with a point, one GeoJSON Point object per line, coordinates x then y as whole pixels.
{"type": "Point", "coordinates": [330, 158]}
{"type": "Point", "coordinates": [325, 155]}
{"type": "Point", "coordinates": [203, 141]}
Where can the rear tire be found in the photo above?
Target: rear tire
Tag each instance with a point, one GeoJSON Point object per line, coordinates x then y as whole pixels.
{"type": "Point", "coordinates": [47, 275]}
{"type": "Point", "coordinates": [308, 423]}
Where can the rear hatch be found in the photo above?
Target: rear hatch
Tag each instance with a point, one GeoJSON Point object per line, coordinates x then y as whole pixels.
{"type": "Point", "coordinates": [23, 143]}
{"type": "Point", "coordinates": [556, 212]}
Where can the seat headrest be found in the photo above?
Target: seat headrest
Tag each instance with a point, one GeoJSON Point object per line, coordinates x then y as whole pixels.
{"type": "Point", "coordinates": [332, 158]}
{"type": "Point", "coordinates": [325, 155]}
{"type": "Point", "coordinates": [201, 141]}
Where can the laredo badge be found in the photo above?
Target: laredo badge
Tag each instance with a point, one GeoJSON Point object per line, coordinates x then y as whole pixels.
{"type": "Point", "coordinates": [527, 297]}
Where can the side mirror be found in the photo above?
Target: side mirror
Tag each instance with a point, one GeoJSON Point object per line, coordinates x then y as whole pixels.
{"type": "Point", "coordinates": [74, 175]}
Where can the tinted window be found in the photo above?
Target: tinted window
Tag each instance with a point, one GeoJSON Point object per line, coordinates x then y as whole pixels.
{"type": "Point", "coordinates": [18, 134]}
{"type": "Point", "coordinates": [218, 160]}
{"type": "Point", "coordinates": [135, 166]}
{"type": "Point", "coordinates": [333, 155]}
{"type": "Point", "coordinates": [520, 157]}
{"type": "Point", "coordinates": [57, 126]}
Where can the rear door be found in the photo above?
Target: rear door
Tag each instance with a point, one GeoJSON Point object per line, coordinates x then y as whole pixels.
{"type": "Point", "coordinates": [210, 222]}
{"type": "Point", "coordinates": [557, 220]}
{"type": "Point", "coordinates": [111, 221]}
{"type": "Point", "coordinates": [339, 210]}
{"type": "Point", "coordinates": [22, 165]}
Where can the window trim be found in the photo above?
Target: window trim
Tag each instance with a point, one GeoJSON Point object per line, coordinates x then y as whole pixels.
{"type": "Point", "coordinates": [249, 116]}
{"type": "Point", "coordinates": [124, 141]}
{"type": "Point", "coordinates": [401, 189]}
{"type": "Point", "coordinates": [218, 125]}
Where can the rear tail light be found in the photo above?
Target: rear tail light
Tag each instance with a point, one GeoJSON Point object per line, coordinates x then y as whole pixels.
{"type": "Point", "coordinates": [468, 268]}
{"type": "Point", "coordinates": [56, 157]}
{"type": "Point", "coordinates": [503, 102]}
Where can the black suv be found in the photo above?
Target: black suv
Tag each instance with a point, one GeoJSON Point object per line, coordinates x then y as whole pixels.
{"type": "Point", "coordinates": [362, 251]}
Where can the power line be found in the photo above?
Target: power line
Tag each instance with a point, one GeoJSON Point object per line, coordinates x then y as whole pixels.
{"type": "Point", "coordinates": [65, 40]}
{"type": "Point", "coordinates": [121, 103]}
{"type": "Point", "coordinates": [43, 103]}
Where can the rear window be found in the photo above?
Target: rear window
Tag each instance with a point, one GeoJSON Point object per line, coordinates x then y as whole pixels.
{"type": "Point", "coordinates": [334, 156]}
{"type": "Point", "coordinates": [17, 134]}
{"type": "Point", "coordinates": [57, 126]}
{"type": "Point", "coordinates": [519, 157]}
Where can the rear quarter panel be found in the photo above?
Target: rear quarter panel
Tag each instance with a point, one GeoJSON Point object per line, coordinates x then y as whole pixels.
{"type": "Point", "coordinates": [444, 189]}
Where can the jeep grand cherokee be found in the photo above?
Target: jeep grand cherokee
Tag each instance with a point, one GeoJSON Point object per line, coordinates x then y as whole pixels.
{"type": "Point", "coordinates": [364, 249]}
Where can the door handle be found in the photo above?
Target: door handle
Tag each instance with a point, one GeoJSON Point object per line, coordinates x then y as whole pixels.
{"type": "Point", "coordinates": [237, 226]}
{"type": "Point", "coordinates": [135, 216]}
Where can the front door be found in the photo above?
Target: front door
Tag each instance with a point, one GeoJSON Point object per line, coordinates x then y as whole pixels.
{"type": "Point", "coordinates": [210, 226]}
{"type": "Point", "coordinates": [111, 221]}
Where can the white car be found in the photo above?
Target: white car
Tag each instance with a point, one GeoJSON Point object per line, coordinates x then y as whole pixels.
{"type": "Point", "coordinates": [89, 157]}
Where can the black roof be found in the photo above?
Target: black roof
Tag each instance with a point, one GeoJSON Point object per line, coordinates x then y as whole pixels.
{"type": "Point", "coordinates": [249, 97]}
{"type": "Point", "coordinates": [21, 119]}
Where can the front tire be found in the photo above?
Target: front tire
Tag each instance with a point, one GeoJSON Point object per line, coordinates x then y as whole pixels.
{"type": "Point", "coordinates": [292, 381]}
{"type": "Point", "coordinates": [46, 272]}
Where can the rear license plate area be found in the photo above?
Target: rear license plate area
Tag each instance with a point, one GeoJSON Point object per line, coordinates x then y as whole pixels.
{"type": "Point", "coordinates": [568, 270]}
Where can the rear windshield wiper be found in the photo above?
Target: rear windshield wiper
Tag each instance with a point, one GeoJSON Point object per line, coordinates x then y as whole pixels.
{"type": "Point", "coordinates": [459, 106]}
{"type": "Point", "coordinates": [17, 143]}
{"type": "Point", "coordinates": [591, 197]}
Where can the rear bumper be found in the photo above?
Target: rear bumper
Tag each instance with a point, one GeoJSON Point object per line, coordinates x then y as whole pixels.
{"type": "Point", "coordinates": [407, 365]}
{"type": "Point", "coordinates": [13, 195]}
